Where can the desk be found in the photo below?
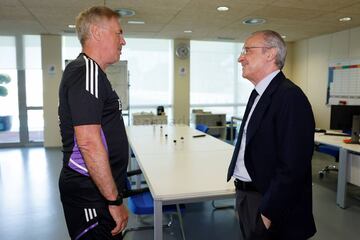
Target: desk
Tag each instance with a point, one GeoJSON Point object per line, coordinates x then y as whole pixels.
{"type": "Point", "coordinates": [345, 150]}
{"type": "Point", "coordinates": [190, 170]}
{"type": "Point", "coordinates": [216, 122]}
{"type": "Point", "coordinates": [148, 119]}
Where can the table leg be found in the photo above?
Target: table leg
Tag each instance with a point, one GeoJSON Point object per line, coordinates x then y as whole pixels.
{"type": "Point", "coordinates": [158, 232]}
{"type": "Point", "coordinates": [342, 178]}
{"type": "Point", "coordinates": [138, 181]}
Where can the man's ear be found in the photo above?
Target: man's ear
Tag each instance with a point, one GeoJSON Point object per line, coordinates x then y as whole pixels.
{"type": "Point", "coordinates": [271, 54]}
{"type": "Point", "coordinates": [96, 32]}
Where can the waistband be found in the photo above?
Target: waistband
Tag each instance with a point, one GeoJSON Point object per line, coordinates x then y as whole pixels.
{"type": "Point", "coordinates": [244, 186]}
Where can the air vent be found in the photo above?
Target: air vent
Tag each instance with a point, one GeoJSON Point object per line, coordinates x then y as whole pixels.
{"type": "Point", "coordinates": [253, 21]}
{"type": "Point", "coordinates": [125, 12]}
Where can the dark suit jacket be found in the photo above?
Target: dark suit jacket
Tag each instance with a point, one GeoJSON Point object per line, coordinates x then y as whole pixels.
{"type": "Point", "coordinates": [278, 153]}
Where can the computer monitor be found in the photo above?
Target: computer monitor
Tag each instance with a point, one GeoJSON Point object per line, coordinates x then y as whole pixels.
{"type": "Point", "coordinates": [342, 116]}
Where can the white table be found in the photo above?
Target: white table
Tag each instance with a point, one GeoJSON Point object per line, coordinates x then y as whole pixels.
{"type": "Point", "coordinates": [188, 170]}
{"type": "Point", "coordinates": [345, 150]}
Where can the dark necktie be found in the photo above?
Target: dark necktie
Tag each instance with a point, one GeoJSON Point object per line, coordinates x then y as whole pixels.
{"type": "Point", "coordinates": [249, 105]}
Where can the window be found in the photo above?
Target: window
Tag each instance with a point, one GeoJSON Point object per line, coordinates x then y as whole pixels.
{"type": "Point", "coordinates": [34, 94]}
{"type": "Point", "coordinates": [216, 83]}
{"type": "Point", "coordinates": [149, 65]}
{"type": "Point", "coordinates": [21, 119]}
{"type": "Point", "coordinates": [71, 48]}
{"type": "Point", "coordinates": [34, 87]}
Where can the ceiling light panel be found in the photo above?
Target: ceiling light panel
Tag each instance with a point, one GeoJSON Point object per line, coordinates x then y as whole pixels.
{"type": "Point", "coordinates": [222, 8]}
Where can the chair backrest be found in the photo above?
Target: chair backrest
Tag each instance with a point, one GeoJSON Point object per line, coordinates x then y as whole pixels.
{"type": "Point", "coordinates": [331, 150]}
{"type": "Point", "coordinates": [140, 201]}
{"type": "Point", "coordinates": [141, 204]}
{"type": "Point", "coordinates": [202, 127]}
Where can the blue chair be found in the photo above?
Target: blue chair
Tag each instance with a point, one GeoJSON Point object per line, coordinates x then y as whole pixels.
{"type": "Point", "coordinates": [332, 151]}
{"type": "Point", "coordinates": [202, 127]}
{"type": "Point", "coordinates": [140, 202]}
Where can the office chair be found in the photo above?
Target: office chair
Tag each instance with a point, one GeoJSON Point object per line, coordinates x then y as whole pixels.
{"type": "Point", "coordinates": [140, 202]}
{"type": "Point", "coordinates": [202, 127]}
{"type": "Point", "coordinates": [330, 150]}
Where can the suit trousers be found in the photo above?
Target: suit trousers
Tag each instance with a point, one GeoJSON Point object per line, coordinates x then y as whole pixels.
{"type": "Point", "coordinates": [251, 225]}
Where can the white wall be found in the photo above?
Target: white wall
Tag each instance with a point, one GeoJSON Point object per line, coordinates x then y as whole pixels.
{"type": "Point", "coordinates": [288, 67]}
{"type": "Point", "coordinates": [310, 66]}
{"type": "Point", "coordinates": [310, 71]}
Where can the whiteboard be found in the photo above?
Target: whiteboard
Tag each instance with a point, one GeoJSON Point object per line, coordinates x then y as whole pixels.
{"type": "Point", "coordinates": [344, 82]}
{"type": "Point", "coordinates": [117, 74]}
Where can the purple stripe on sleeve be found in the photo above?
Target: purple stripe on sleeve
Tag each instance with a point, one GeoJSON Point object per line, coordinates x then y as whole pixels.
{"type": "Point", "coordinates": [76, 161]}
{"type": "Point", "coordinates": [104, 141]}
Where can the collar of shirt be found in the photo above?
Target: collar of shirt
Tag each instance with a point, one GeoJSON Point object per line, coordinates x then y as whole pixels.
{"type": "Point", "coordinates": [263, 84]}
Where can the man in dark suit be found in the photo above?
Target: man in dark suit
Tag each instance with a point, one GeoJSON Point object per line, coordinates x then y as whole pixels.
{"type": "Point", "coordinates": [271, 163]}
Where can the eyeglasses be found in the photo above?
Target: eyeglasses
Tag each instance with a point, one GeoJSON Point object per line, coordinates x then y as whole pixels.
{"type": "Point", "coordinates": [245, 50]}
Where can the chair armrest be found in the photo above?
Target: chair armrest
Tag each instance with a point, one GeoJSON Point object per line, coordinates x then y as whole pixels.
{"type": "Point", "coordinates": [134, 172]}
{"type": "Point", "coordinates": [132, 192]}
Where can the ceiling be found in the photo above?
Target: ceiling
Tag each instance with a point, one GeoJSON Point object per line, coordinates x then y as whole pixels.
{"type": "Point", "coordinates": [297, 19]}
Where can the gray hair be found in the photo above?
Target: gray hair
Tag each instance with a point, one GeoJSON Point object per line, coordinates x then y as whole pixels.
{"type": "Point", "coordinates": [274, 40]}
{"type": "Point", "coordinates": [93, 15]}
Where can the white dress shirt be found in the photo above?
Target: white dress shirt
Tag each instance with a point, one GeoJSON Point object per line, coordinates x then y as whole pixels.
{"type": "Point", "coordinates": [240, 171]}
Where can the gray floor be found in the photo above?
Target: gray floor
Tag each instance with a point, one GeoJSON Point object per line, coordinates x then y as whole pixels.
{"type": "Point", "coordinates": [30, 206]}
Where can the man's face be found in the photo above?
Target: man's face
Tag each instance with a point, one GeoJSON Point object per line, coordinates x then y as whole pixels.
{"type": "Point", "coordinates": [112, 40]}
{"type": "Point", "coordinates": [254, 59]}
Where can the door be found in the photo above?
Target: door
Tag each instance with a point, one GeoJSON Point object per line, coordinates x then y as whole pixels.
{"type": "Point", "coordinates": [21, 111]}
